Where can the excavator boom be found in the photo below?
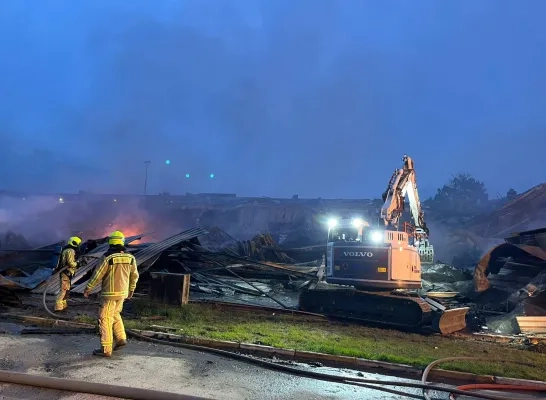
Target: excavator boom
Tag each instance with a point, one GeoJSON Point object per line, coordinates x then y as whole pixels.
{"type": "Point", "coordinates": [402, 186]}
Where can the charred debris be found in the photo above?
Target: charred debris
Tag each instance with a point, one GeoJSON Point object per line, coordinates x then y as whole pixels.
{"type": "Point", "coordinates": [505, 288]}
{"type": "Point", "coordinates": [509, 281]}
{"type": "Point", "coordinates": [219, 265]}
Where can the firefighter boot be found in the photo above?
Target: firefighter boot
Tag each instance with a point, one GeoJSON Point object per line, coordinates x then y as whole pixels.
{"type": "Point", "coordinates": [101, 352]}
{"type": "Point", "coordinates": [120, 344]}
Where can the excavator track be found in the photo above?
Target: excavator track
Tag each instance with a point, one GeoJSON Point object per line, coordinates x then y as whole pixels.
{"type": "Point", "coordinates": [396, 310]}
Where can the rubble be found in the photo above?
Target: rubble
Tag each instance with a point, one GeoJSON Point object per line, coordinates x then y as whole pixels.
{"type": "Point", "coordinates": [505, 324]}
{"type": "Point", "coordinates": [520, 261]}
{"type": "Point", "coordinates": [8, 298]}
{"type": "Point", "coordinates": [276, 246]}
{"type": "Point", "coordinates": [527, 211]}
{"type": "Point", "coordinates": [511, 278]}
{"type": "Point", "coordinates": [261, 247]}
{"type": "Point", "coordinates": [445, 273]}
{"type": "Point", "coordinates": [18, 279]}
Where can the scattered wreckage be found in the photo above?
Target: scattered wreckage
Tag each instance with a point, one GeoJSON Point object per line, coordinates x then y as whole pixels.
{"type": "Point", "coordinates": [257, 272]}
{"type": "Point", "coordinates": [503, 292]}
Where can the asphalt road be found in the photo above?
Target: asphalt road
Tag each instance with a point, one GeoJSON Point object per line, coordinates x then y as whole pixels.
{"type": "Point", "coordinates": [166, 368]}
{"type": "Point", "coordinates": [160, 367]}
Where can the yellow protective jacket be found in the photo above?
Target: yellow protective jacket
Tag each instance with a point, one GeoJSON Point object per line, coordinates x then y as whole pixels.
{"type": "Point", "coordinates": [118, 274]}
{"type": "Point", "coordinates": [68, 259]}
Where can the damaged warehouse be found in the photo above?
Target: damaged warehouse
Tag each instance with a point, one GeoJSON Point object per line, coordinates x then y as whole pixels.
{"type": "Point", "coordinates": [262, 272]}
{"type": "Point", "coordinates": [250, 288]}
{"type": "Point", "coordinates": [251, 272]}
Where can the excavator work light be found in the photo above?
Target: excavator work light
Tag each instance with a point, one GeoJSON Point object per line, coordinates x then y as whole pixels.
{"type": "Point", "coordinates": [376, 236]}
{"type": "Point", "coordinates": [358, 222]}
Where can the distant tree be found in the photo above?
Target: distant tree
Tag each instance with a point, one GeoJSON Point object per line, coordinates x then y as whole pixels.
{"type": "Point", "coordinates": [462, 192]}
{"type": "Point", "coordinates": [511, 194]}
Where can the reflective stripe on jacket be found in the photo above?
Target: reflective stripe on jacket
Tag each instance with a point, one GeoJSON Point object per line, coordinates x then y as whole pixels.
{"type": "Point", "coordinates": [118, 274]}
{"type": "Point", "coordinates": [68, 259]}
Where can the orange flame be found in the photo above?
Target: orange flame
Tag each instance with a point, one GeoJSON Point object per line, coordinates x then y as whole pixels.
{"type": "Point", "coordinates": [127, 226]}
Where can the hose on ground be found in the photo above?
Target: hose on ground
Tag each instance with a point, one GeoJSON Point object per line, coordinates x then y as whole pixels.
{"type": "Point", "coordinates": [462, 388]}
{"type": "Point", "coordinates": [44, 303]}
{"type": "Point", "coordinates": [315, 375]}
{"type": "Point", "coordinates": [368, 383]}
{"type": "Point", "coordinates": [498, 386]}
{"type": "Point", "coordinates": [95, 388]}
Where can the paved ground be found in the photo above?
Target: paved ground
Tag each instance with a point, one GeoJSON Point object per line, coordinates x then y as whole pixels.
{"type": "Point", "coordinates": [167, 368]}
{"type": "Point", "coordinates": [159, 367]}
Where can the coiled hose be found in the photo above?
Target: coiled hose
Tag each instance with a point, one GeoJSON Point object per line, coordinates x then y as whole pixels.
{"type": "Point", "coordinates": [374, 384]}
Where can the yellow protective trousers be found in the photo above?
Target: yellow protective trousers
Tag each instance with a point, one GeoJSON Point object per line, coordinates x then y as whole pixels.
{"type": "Point", "coordinates": [110, 324]}
{"type": "Point", "coordinates": [60, 302]}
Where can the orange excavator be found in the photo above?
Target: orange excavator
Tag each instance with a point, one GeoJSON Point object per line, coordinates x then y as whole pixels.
{"type": "Point", "coordinates": [372, 275]}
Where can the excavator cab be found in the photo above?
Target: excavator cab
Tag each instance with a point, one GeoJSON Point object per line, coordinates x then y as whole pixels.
{"type": "Point", "coordinates": [374, 259]}
{"type": "Point", "coordinates": [346, 230]}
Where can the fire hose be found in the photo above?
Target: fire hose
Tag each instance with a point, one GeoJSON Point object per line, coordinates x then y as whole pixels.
{"type": "Point", "coordinates": [46, 288]}
{"type": "Point", "coordinates": [369, 383]}
{"type": "Point", "coordinates": [497, 387]}
{"type": "Point", "coordinates": [374, 384]}
{"type": "Point", "coordinates": [464, 388]}
{"type": "Point", "coordinates": [100, 389]}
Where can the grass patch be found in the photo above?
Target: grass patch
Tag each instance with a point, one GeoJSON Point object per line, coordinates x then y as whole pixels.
{"type": "Point", "coordinates": [301, 333]}
{"type": "Point", "coordinates": [87, 319]}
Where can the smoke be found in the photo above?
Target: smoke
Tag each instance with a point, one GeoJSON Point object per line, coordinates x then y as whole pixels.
{"type": "Point", "coordinates": [458, 246]}
{"type": "Point", "coordinates": [132, 217]}
{"type": "Point", "coordinates": [44, 220]}
{"type": "Point", "coordinates": [25, 214]}
{"type": "Point", "coordinates": [14, 211]}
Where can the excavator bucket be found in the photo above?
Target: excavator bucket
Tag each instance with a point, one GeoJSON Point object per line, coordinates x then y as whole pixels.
{"type": "Point", "coordinates": [450, 321]}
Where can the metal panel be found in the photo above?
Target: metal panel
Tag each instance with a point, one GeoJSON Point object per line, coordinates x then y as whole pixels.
{"type": "Point", "coordinates": [533, 250]}
{"type": "Point", "coordinates": [532, 324]}
{"type": "Point", "coordinates": [151, 253]}
{"type": "Point", "coordinates": [53, 284]}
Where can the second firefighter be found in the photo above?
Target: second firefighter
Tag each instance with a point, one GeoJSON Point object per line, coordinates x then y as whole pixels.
{"type": "Point", "coordinates": [118, 275]}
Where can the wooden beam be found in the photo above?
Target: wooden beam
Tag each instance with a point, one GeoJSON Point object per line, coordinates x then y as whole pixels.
{"type": "Point", "coordinates": [186, 289]}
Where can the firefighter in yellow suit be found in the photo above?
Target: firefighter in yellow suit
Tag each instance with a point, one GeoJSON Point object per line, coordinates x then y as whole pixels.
{"type": "Point", "coordinates": [119, 275]}
{"type": "Point", "coordinates": [68, 266]}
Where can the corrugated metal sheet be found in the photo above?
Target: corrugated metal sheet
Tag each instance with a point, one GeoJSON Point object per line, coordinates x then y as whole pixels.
{"type": "Point", "coordinates": [147, 256]}
{"type": "Point", "coordinates": [532, 324]}
{"type": "Point", "coordinates": [535, 251]}
{"type": "Point", "coordinates": [53, 283]}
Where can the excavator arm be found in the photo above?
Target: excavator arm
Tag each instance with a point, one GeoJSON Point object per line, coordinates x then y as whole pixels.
{"type": "Point", "coordinates": [402, 185]}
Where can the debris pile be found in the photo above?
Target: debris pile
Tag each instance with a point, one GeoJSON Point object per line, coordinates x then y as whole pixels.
{"type": "Point", "coordinates": [446, 278]}
{"type": "Point", "coordinates": [508, 282]}
{"type": "Point", "coordinates": [261, 247]}
{"type": "Point", "coordinates": [525, 212]}
{"type": "Point", "coordinates": [511, 278]}
{"type": "Point", "coordinates": [8, 298]}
